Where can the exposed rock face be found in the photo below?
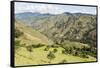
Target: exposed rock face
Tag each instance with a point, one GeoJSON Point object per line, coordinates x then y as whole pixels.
{"type": "Point", "coordinates": [67, 26]}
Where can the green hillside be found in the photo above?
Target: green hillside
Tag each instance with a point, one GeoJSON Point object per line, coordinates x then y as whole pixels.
{"type": "Point", "coordinates": [33, 47]}
{"type": "Point", "coordinates": [30, 36]}
{"type": "Point", "coordinates": [48, 55]}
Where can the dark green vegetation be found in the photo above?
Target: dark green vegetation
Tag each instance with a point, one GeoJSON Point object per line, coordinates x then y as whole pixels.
{"type": "Point", "coordinates": [18, 33]}
{"type": "Point", "coordinates": [50, 56]}
{"type": "Point", "coordinates": [83, 52]}
{"type": "Point", "coordinates": [72, 34]}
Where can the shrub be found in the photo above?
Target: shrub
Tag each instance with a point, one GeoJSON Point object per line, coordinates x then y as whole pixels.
{"type": "Point", "coordinates": [55, 50]}
{"type": "Point", "coordinates": [46, 49]}
{"type": "Point", "coordinates": [75, 53]}
{"type": "Point", "coordinates": [64, 52]}
{"type": "Point", "coordinates": [37, 45]}
{"type": "Point", "coordinates": [40, 45]}
{"type": "Point", "coordinates": [29, 48]}
{"type": "Point", "coordinates": [50, 56]}
{"type": "Point", "coordinates": [54, 46]}
{"type": "Point", "coordinates": [83, 55]}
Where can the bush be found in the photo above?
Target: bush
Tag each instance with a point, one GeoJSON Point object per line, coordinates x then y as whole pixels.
{"type": "Point", "coordinates": [50, 56]}
{"type": "Point", "coordinates": [29, 48]}
{"type": "Point", "coordinates": [37, 45]}
{"type": "Point", "coordinates": [46, 49]}
{"type": "Point", "coordinates": [75, 53]}
{"type": "Point", "coordinates": [64, 52]}
{"type": "Point", "coordinates": [54, 46]}
{"type": "Point", "coordinates": [55, 50]}
{"type": "Point", "coordinates": [83, 55]}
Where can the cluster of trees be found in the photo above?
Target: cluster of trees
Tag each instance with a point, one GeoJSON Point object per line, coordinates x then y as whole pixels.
{"type": "Point", "coordinates": [83, 52]}
{"type": "Point", "coordinates": [30, 47]}
{"type": "Point", "coordinates": [37, 45]}
{"type": "Point", "coordinates": [51, 54]}
{"type": "Point", "coordinates": [51, 46]}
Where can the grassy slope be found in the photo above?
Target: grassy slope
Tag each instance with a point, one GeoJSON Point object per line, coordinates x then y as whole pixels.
{"type": "Point", "coordinates": [39, 56]}
{"type": "Point", "coordinates": [31, 36]}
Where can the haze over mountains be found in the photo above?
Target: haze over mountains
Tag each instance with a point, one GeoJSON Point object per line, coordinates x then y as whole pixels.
{"type": "Point", "coordinates": [28, 17]}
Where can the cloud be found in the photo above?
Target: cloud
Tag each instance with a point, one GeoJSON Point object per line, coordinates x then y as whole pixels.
{"type": "Point", "coordinates": [52, 8]}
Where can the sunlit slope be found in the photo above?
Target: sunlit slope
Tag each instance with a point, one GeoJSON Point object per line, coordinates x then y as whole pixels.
{"type": "Point", "coordinates": [31, 36]}
{"type": "Point", "coordinates": [35, 50]}
{"type": "Point", "coordinates": [39, 56]}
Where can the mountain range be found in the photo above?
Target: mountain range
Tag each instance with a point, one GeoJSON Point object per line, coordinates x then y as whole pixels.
{"type": "Point", "coordinates": [79, 27]}
{"type": "Point", "coordinates": [56, 38]}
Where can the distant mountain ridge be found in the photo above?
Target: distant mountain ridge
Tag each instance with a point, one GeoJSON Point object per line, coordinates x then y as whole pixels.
{"type": "Point", "coordinates": [29, 17]}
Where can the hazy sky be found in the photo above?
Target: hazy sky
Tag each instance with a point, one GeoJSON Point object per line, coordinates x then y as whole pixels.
{"type": "Point", "coordinates": [21, 7]}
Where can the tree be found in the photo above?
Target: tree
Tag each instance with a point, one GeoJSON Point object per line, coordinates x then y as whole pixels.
{"type": "Point", "coordinates": [75, 53]}
{"type": "Point", "coordinates": [55, 50]}
{"type": "Point", "coordinates": [37, 45]}
{"type": "Point", "coordinates": [29, 48]}
{"type": "Point", "coordinates": [50, 56]}
{"type": "Point", "coordinates": [46, 49]}
{"type": "Point", "coordinates": [64, 52]}
{"type": "Point", "coordinates": [18, 33]}
{"type": "Point", "coordinates": [83, 55]}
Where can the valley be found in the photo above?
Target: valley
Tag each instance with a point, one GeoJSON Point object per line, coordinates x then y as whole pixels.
{"type": "Point", "coordinates": [55, 39]}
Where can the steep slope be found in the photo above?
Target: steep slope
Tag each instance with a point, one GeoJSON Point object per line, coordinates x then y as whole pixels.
{"type": "Point", "coordinates": [62, 38]}
{"type": "Point", "coordinates": [30, 36]}
{"type": "Point", "coordinates": [62, 27]}
{"type": "Point", "coordinates": [67, 26]}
